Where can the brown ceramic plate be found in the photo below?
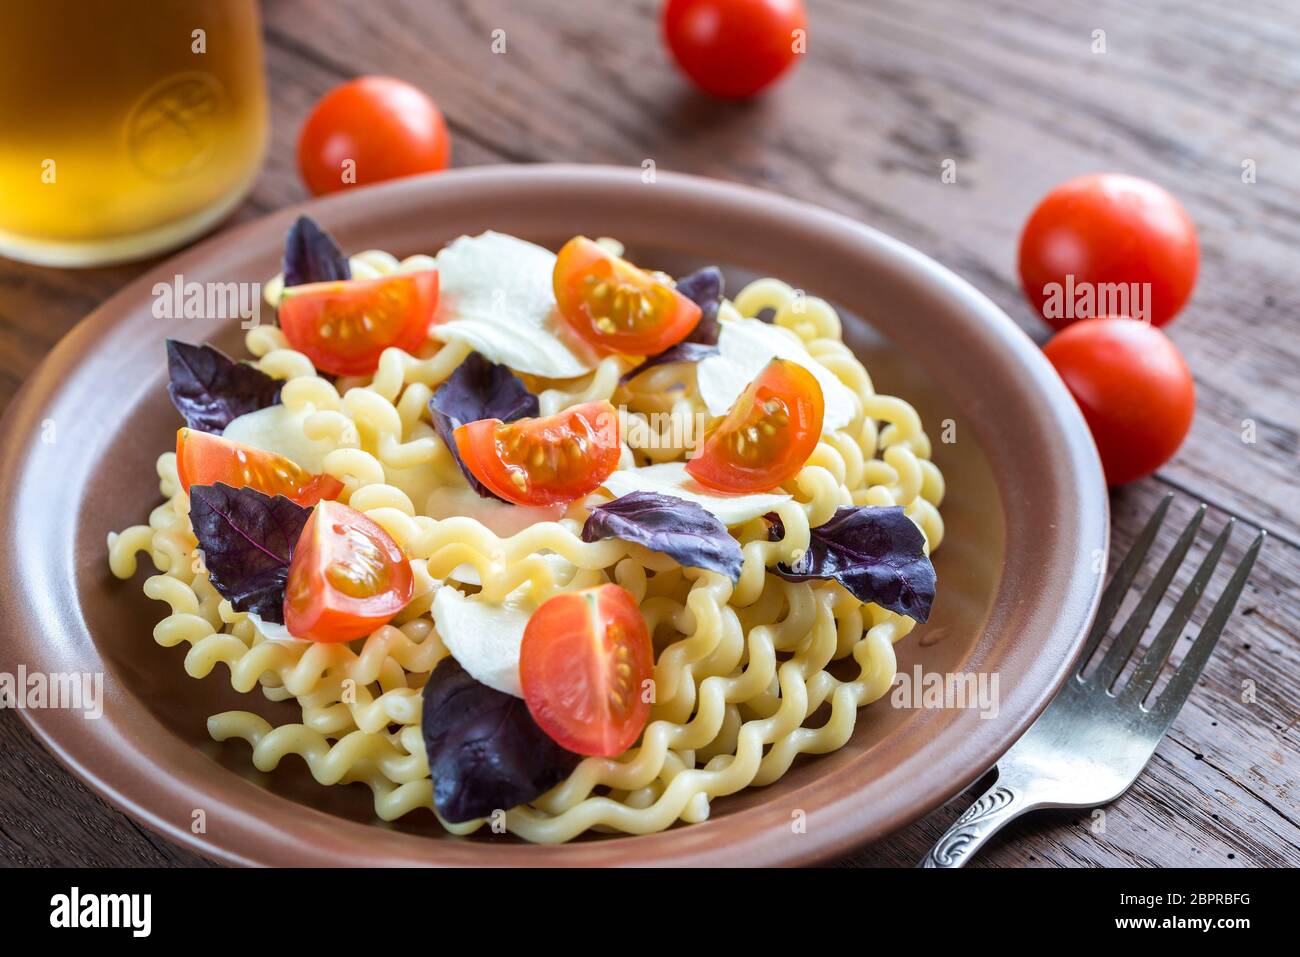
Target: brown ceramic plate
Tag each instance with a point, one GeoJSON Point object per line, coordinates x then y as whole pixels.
{"type": "Point", "coordinates": [1026, 513]}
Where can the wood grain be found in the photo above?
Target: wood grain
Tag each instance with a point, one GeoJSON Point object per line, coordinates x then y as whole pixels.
{"type": "Point", "coordinates": [1010, 91]}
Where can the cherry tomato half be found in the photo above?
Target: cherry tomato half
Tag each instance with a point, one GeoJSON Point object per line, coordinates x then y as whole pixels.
{"type": "Point", "coordinates": [343, 327]}
{"type": "Point", "coordinates": [768, 434]}
{"type": "Point", "coordinates": [734, 48]}
{"type": "Point", "coordinates": [1133, 388]}
{"type": "Point", "coordinates": [347, 577]}
{"type": "Point", "coordinates": [615, 306]}
{"type": "Point", "coordinates": [584, 663]}
{"type": "Point", "coordinates": [368, 130]}
{"type": "Point", "coordinates": [1123, 244]}
{"type": "Point", "coordinates": [543, 461]}
{"type": "Point", "coordinates": [205, 459]}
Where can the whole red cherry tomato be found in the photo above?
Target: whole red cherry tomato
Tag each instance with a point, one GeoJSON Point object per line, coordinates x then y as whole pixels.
{"type": "Point", "coordinates": [734, 48]}
{"type": "Point", "coordinates": [1134, 390]}
{"type": "Point", "coordinates": [368, 130]}
{"type": "Point", "coordinates": [1123, 241]}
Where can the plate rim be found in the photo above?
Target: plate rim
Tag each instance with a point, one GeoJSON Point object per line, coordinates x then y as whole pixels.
{"type": "Point", "coordinates": [845, 830]}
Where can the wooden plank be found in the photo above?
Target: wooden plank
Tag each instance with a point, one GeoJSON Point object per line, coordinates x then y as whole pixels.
{"type": "Point", "coordinates": [1011, 91]}
{"type": "Point", "coordinates": [48, 818]}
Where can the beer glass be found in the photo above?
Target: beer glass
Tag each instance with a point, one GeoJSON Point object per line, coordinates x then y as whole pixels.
{"type": "Point", "coordinates": [127, 127]}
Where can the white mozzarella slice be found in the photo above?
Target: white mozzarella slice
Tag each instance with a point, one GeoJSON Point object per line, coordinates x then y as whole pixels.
{"type": "Point", "coordinates": [671, 478]}
{"type": "Point", "coordinates": [484, 637]}
{"type": "Point", "coordinates": [466, 574]}
{"type": "Point", "coordinates": [745, 346]}
{"type": "Point", "coordinates": [270, 630]}
{"type": "Point", "coordinates": [495, 294]}
{"type": "Point", "coordinates": [279, 429]}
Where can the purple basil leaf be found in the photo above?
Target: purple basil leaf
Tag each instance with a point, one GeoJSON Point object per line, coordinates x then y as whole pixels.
{"type": "Point", "coordinates": [486, 753]}
{"type": "Point", "coordinates": [682, 352]}
{"type": "Point", "coordinates": [478, 389]}
{"type": "Point", "coordinates": [664, 523]}
{"type": "Point", "coordinates": [876, 553]}
{"type": "Point", "coordinates": [209, 389]}
{"type": "Point", "coordinates": [310, 255]}
{"type": "Point", "coordinates": [247, 540]}
{"type": "Point", "coordinates": [704, 288]}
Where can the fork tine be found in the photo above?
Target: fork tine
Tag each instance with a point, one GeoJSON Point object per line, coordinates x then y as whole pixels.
{"type": "Point", "coordinates": [1180, 685]}
{"type": "Point", "coordinates": [1118, 654]}
{"type": "Point", "coordinates": [1157, 653]}
{"type": "Point", "coordinates": [1119, 583]}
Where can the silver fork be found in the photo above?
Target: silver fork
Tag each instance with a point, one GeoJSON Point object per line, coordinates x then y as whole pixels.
{"type": "Point", "coordinates": [1094, 738]}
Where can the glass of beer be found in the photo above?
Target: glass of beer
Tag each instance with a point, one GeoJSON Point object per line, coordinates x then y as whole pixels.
{"type": "Point", "coordinates": [127, 127]}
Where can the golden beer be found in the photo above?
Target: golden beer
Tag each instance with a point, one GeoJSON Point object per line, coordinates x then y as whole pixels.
{"type": "Point", "coordinates": [126, 126]}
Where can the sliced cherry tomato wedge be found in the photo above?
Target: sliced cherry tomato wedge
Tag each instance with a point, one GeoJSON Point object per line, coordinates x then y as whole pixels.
{"type": "Point", "coordinates": [615, 306]}
{"type": "Point", "coordinates": [347, 577]}
{"type": "Point", "coordinates": [543, 461]}
{"type": "Point", "coordinates": [204, 459]}
{"type": "Point", "coordinates": [768, 434]}
{"type": "Point", "coordinates": [584, 663]}
{"type": "Point", "coordinates": [344, 326]}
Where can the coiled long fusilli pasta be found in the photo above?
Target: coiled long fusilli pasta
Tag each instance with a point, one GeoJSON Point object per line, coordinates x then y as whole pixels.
{"type": "Point", "coordinates": [739, 670]}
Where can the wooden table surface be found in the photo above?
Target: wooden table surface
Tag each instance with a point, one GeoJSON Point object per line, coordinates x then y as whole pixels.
{"type": "Point", "coordinates": [1186, 92]}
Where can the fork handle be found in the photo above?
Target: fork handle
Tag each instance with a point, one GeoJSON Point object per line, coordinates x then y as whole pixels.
{"type": "Point", "coordinates": [1000, 804]}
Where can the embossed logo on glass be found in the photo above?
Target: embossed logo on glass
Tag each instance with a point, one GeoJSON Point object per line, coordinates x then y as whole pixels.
{"type": "Point", "coordinates": [171, 131]}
